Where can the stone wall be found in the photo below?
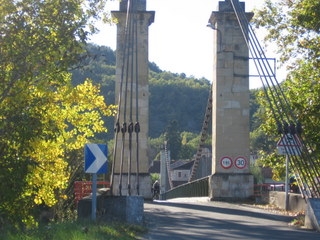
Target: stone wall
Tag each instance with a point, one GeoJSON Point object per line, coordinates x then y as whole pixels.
{"type": "Point", "coordinates": [296, 202]}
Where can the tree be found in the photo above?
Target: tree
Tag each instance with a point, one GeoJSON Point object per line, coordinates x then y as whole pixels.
{"type": "Point", "coordinates": [40, 38]}
{"type": "Point", "coordinates": [43, 117]}
{"type": "Point", "coordinates": [173, 139]}
{"type": "Point", "coordinates": [188, 96]}
{"type": "Point", "coordinates": [293, 25]}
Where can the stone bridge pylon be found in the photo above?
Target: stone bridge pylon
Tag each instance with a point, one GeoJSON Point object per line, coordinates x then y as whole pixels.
{"type": "Point", "coordinates": [130, 175]}
{"type": "Point", "coordinates": [230, 177]}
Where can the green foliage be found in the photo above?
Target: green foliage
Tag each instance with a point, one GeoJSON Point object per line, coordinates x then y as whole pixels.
{"type": "Point", "coordinates": [154, 177]}
{"type": "Point", "coordinates": [190, 144]}
{"type": "Point", "coordinates": [306, 14]}
{"type": "Point", "coordinates": [155, 145]}
{"type": "Point", "coordinates": [172, 96]}
{"type": "Point", "coordinates": [173, 139]}
{"type": "Point", "coordinates": [264, 138]}
{"type": "Point", "coordinates": [303, 89]}
{"type": "Point", "coordinates": [154, 68]}
{"type": "Point", "coordinates": [99, 65]}
{"type": "Point", "coordinates": [78, 231]}
{"type": "Point", "coordinates": [255, 170]}
{"type": "Point", "coordinates": [254, 107]}
{"type": "Point", "coordinates": [294, 26]}
{"type": "Point", "coordinates": [169, 95]}
{"type": "Point", "coordinates": [175, 97]}
{"type": "Point", "coordinates": [40, 38]}
{"type": "Point", "coordinates": [44, 119]}
{"type": "Point", "coordinates": [260, 140]}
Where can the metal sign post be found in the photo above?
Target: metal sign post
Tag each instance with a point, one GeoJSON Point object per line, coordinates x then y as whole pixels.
{"type": "Point", "coordinates": [94, 197]}
{"type": "Point", "coordinates": [286, 182]}
{"type": "Point", "coordinates": [288, 145]}
{"type": "Point", "coordinates": [95, 162]}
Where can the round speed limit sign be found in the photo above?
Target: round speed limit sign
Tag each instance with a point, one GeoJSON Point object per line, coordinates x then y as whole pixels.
{"type": "Point", "coordinates": [240, 162]}
{"type": "Point", "coordinates": [226, 162]}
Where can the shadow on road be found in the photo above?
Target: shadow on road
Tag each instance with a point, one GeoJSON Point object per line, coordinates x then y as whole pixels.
{"type": "Point", "coordinates": [231, 209]}
{"type": "Point", "coordinates": [215, 220]}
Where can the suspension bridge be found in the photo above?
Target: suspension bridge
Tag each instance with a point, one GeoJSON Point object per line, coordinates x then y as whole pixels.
{"type": "Point", "coordinates": [227, 109]}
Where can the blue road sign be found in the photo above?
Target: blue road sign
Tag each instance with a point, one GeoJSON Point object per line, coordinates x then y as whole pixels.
{"type": "Point", "coordinates": [95, 158]}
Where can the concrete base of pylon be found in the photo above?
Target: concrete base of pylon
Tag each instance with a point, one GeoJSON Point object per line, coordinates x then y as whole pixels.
{"type": "Point", "coordinates": [127, 209]}
{"type": "Point", "coordinates": [145, 185]}
{"type": "Point", "coordinates": [312, 217]}
{"type": "Point", "coordinates": [231, 186]}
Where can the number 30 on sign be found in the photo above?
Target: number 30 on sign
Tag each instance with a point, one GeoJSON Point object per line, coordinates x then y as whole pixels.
{"type": "Point", "coordinates": [240, 162]}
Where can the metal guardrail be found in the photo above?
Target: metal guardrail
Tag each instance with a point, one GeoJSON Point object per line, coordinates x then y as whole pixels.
{"type": "Point", "coordinates": [200, 188]}
{"type": "Point", "coordinates": [84, 188]}
{"type": "Point", "coordinates": [197, 188]}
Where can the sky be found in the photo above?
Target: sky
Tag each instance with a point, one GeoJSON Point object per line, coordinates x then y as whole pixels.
{"type": "Point", "coordinates": [179, 39]}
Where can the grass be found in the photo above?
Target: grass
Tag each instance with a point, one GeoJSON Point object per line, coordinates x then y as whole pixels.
{"type": "Point", "coordinates": [298, 221]}
{"type": "Point", "coordinates": [78, 231]}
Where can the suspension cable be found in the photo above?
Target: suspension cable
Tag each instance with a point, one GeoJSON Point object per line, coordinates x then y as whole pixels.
{"type": "Point", "coordinates": [131, 68]}
{"type": "Point", "coordinates": [167, 159]}
{"type": "Point", "coordinates": [119, 112]}
{"type": "Point", "coordinates": [288, 113]}
{"type": "Point", "coordinates": [137, 125]}
{"type": "Point", "coordinates": [125, 68]}
{"type": "Point", "coordinates": [203, 138]}
{"type": "Point", "coordinates": [129, 72]}
{"type": "Point", "coordinates": [117, 125]}
{"type": "Point", "coordinates": [281, 109]}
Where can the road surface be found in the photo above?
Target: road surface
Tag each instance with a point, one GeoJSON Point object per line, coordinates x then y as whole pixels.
{"type": "Point", "coordinates": [199, 219]}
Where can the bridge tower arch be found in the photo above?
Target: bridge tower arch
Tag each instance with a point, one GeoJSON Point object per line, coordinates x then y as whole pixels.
{"type": "Point", "coordinates": [230, 177]}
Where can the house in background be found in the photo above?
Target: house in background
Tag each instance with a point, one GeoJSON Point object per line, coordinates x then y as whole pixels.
{"type": "Point", "coordinates": [181, 173]}
{"type": "Point", "coordinates": [180, 170]}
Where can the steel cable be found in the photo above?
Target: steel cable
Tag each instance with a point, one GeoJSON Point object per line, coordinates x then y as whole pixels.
{"type": "Point", "coordinates": [284, 111]}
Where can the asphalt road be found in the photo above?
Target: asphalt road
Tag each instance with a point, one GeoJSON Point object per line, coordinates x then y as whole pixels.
{"type": "Point", "coordinates": [201, 219]}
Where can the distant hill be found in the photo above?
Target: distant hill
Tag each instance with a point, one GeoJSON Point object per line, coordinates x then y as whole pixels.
{"type": "Point", "coordinates": [173, 97]}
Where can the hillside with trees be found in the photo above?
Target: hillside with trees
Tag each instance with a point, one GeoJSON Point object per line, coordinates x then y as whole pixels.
{"type": "Point", "coordinates": [177, 103]}
{"type": "Point", "coordinates": [173, 97]}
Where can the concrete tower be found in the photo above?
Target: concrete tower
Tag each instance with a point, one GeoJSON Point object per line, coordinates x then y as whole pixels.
{"type": "Point", "coordinates": [230, 107]}
{"type": "Point", "coordinates": [133, 87]}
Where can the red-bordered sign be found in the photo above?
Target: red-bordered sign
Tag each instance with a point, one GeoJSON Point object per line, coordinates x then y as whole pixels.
{"type": "Point", "coordinates": [240, 162]}
{"type": "Point", "coordinates": [226, 162]}
{"type": "Point", "coordinates": [289, 145]}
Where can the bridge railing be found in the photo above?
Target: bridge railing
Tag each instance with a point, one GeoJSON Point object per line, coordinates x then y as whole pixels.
{"type": "Point", "coordinates": [197, 188]}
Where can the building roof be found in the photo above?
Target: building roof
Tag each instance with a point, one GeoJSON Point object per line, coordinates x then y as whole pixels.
{"type": "Point", "coordinates": [186, 166]}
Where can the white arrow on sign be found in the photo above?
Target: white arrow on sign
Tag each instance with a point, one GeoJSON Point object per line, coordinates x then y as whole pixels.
{"type": "Point", "coordinates": [101, 158]}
